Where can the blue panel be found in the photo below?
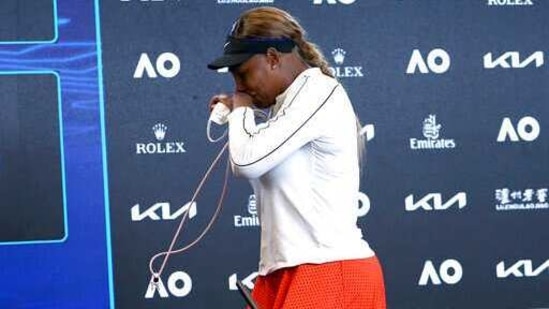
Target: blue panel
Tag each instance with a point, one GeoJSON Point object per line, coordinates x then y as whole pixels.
{"type": "Point", "coordinates": [33, 135]}
{"type": "Point", "coordinates": [28, 21]}
{"type": "Point", "coordinates": [73, 273]}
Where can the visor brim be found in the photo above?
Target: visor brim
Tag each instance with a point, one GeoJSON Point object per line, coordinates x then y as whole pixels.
{"type": "Point", "coordinates": [229, 60]}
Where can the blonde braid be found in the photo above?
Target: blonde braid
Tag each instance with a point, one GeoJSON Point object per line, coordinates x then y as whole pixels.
{"type": "Point", "coordinates": [311, 54]}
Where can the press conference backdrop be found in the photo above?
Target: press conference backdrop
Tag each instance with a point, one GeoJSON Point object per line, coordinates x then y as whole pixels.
{"type": "Point", "coordinates": [103, 119]}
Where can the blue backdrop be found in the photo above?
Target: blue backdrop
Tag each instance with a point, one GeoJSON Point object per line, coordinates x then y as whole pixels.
{"type": "Point", "coordinates": [102, 143]}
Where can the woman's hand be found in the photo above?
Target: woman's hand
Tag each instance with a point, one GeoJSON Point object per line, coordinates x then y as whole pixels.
{"type": "Point", "coordinates": [231, 101]}
{"type": "Point", "coordinates": [224, 98]}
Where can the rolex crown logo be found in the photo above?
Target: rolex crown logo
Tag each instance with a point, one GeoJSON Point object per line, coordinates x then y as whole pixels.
{"type": "Point", "coordinates": [159, 131]}
{"type": "Point", "coordinates": [339, 55]}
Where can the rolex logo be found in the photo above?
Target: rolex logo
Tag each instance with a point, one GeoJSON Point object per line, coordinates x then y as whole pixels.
{"type": "Point", "coordinates": [339, 55]}
{"type": "Point", "coordinates": [160, 146]}
{"type": "Point", "coordinates": [159, 131]}
{"type": "Point", "coordinates": [339, 70]}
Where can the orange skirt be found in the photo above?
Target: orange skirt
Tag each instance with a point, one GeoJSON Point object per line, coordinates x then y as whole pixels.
{"type": "Point", "coordinates": [349, 284]}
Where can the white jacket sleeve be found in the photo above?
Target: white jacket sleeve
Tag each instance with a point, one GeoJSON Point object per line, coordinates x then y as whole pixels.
{"type": "Point", "coordinates": [256, 149]}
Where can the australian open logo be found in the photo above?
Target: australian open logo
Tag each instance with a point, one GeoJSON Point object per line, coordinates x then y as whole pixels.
{"type": "Point", "coordinates": [251, 219]}
{"type": "Point", "coordinates": [340, 70]}
{"type": "Point", "coordinates": [160, 146]}
{"type": "Point", "coordinates": [431, 131]}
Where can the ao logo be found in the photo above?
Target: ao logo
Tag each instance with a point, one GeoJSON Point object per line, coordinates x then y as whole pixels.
{"type": "Point", "coordinates": [450, 272]}
{"type": "Point", "coordinates": [363, 204]}
{"type": "Point", "coordinates": [438, 61]}
{"type": "Point", "coordinates": [318, 2]}
{"type": "Point", "coordinates": [369, 131]}
{"type": "Point", "coordinates": [167, 65]}
{"type": "Point", "coordinates": [248, 281]}
{"type": "Point", "coordinates": [180, 284]}
{"type": "Point", "coordinates": [527, 130]}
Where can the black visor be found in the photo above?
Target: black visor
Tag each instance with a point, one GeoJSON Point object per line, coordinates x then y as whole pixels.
{"type": "Point", "coordinates": [236, 51]}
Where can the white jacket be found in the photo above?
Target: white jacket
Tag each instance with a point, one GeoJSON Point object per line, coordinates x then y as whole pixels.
{"type": "Point", "coordinates": [303, 166]}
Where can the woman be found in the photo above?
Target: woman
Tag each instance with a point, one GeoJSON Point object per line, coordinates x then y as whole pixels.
{"type": "Point", "coordinates": [303, 164]}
